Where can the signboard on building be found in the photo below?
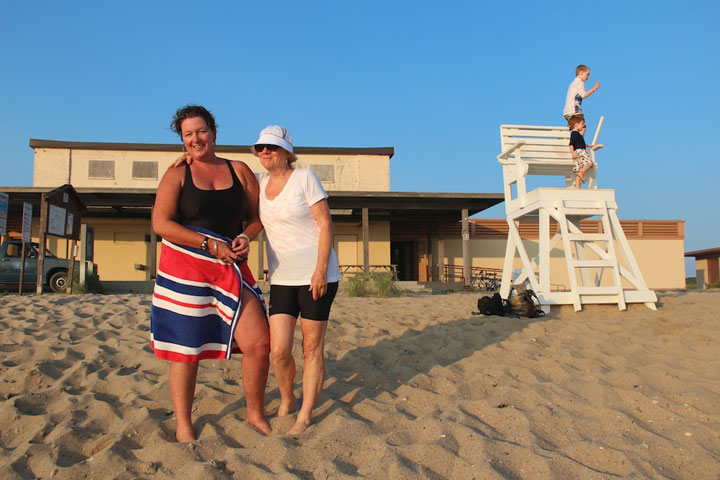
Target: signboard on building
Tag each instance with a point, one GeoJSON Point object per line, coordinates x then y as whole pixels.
{"type": "Point", "coordinates": [64, 212]}
{"type": "Point", "coordinates": [27, 222]}
{"type": "Point", "coordinates": [60, 214]}
{"type": "Point", "coordinates": [56, 221]}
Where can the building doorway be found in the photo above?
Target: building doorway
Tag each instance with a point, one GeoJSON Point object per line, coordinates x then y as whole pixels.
{"type": "Point", "coordinates": [403, 255]}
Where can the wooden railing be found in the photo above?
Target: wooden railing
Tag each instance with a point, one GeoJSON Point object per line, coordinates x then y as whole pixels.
{"type": "Point", "coordinates": [358, 270]}
{"type": "Point", "coordinates": [480, 277]}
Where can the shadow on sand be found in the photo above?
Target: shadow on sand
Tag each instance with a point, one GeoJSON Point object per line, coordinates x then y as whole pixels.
{"type": "Point", "coordinates": [369, 371]}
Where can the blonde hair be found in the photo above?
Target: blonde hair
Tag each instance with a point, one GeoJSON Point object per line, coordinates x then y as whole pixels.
{"type": "Point", "coordinates": [581, 68]}
{"type": "Point", "coordinates": [292, 158]}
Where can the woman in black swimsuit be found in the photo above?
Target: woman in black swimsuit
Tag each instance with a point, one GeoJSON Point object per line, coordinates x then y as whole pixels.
{"type": "Point", "coordinates": [212, 195]}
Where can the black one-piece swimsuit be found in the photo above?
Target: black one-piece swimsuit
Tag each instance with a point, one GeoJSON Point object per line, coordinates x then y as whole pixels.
{"type": "Point", "coordinates": [220, 211]}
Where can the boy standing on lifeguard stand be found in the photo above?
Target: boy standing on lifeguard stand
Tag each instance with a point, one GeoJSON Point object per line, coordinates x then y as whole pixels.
{"type": "Point", "coordinates": [576, 92]}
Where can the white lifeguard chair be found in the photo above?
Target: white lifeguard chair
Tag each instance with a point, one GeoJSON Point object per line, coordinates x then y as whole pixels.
{"type": "Point", "coordinates": [536, 150]}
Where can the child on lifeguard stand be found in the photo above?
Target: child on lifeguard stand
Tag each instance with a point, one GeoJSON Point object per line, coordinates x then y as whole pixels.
{"type": "Point", "coordinates": [581, 157]}
{"type": "Point", "coordinates": [576, 93]}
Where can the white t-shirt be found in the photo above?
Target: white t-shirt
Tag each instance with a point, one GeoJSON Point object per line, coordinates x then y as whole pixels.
{"type": "Point", "coordinates": [292, 232]}
{"type": "Point", "coordinates": [573, 101]}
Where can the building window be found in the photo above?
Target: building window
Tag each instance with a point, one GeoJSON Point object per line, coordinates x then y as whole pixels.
{"type": "Point", "coordinates": [145, 170]}
{"type": "Point", "coordinates": [326, 173]}
{"type": "Point", "coordinates": [101, 169]}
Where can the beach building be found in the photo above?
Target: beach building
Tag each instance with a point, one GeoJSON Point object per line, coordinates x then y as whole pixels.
{"type": "Point", "coordinates": [416, 236]}
{"type": "Point", "coordinates": [707, 266]}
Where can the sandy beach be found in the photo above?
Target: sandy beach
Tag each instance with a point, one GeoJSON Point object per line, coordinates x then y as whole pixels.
{"type": "Point", "coordinates": [417, 387]}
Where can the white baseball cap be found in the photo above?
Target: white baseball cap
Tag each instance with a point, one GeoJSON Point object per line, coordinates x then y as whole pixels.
{"type": "Point", "coordinates": [274, 135]}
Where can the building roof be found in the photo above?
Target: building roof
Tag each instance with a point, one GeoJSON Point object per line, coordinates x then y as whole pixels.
{"type": "Point", "coordinates": [345, 206]}
{"type": "Point", "coordinates": [177, 147]}
{"type": "Point", "coordinates": [707, 253]}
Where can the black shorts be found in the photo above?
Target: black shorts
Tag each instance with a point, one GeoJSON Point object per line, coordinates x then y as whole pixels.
{"type": "Point", "coordinates": [297, 300]}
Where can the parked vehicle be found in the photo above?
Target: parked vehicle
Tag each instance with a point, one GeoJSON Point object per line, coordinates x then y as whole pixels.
{"type": "Point", "coordinates": [55, 270]}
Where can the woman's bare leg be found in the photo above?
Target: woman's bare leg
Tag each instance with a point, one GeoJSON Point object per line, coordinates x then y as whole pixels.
{"type": "Point", "coordinates": [253, 337]}
{"type": "Point", "coordinates": [282, 334]}
{"type": "Point", "coordinates": [313, 371]}
{"type": "Point", "coordinates": [182, 390]}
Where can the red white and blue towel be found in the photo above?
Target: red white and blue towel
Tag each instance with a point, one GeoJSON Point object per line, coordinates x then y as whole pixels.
{"type": "Point", "coordinates": [196, 303]}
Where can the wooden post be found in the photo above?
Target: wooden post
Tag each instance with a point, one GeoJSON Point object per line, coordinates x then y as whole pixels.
{"type": "Point", "coordinates": [366, 240]}
{"type": "Point", "coordinates": [82, 274]}
{"type": "Point", "coordinates": [440, 251]}
{"type": "Point", "coordinates": [466, 247]}
{"type": "Point", "coordinates": [22, 267]}
{"type": "Point", "coordinates": [42, 240]}
{"type": "Point", "coordinates": [429, 255]}
{"type": "Point", "coordinates": [71, 267]}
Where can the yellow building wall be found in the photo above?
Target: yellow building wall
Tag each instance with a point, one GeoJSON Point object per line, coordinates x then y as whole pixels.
{"type": "Point", "coordinates": [367, 173]}
{"type": "Point", "coordinates": [57, 166]}
{"type": "Point", "coordinates": [51, 167]}
{"type": "Point", "coordinates": [347, 241]}
{"type": "Point", "coordinates": [119, 247]}
{"type": "Point", "coordinates": [661, 261]}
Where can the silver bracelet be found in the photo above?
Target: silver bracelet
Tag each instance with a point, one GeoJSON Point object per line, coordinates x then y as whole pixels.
{"type": "Point", "coordinates": [242, 235]}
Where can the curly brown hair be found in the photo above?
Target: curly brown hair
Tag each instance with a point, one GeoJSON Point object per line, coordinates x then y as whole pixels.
{"type": "Point", "coordinates": [191, 111]}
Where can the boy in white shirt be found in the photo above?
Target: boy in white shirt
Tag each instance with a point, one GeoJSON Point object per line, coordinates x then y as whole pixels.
{"type": "Point", "coordinates": [576, 92]}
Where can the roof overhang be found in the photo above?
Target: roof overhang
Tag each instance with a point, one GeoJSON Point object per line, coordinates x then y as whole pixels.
{"type": "Point", "coordinates": [346, 205]}
{"type": "Point", "coordinates": [704, 254]}
{"type": "Point", "coordinates": [413, 206]}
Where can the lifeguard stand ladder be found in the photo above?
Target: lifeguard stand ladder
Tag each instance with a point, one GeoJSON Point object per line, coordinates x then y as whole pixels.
{"type": "Point", "coordinates": [589, 257]}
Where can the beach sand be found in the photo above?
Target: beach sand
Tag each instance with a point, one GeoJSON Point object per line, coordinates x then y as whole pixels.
{"type": "Point", "coordinates": [417, 387]}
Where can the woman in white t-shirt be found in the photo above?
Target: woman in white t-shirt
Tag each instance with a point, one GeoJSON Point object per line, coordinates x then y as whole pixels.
{"type": "Point", "coordinates": [302, 265]}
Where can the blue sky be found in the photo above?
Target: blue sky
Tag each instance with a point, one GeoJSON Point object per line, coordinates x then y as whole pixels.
{"type": "Point", "coordinates": [433, 80]}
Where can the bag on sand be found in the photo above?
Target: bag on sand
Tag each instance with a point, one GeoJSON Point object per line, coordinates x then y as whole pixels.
{"type": "Point", "coordinates": [523, 304]}
{"type": "Point", "coordinates": [494, 305]}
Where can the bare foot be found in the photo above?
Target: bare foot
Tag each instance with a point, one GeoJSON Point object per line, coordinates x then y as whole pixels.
{"type": "Point", "coordinates": [184, 434]}
{"type": "Point", "coordinates": [299, 427]}
{"type": "Point", "coordinates": [260, 424]}
{"type": "Point", "coordinates": [285, 409]}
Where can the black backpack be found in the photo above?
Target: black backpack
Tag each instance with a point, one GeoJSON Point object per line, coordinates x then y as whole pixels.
{"type": "Point", "coordinates": [494, 305]}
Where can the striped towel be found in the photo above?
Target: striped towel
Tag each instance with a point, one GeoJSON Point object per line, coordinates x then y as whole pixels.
{"type": "Point", "coordinates": [196, 303]}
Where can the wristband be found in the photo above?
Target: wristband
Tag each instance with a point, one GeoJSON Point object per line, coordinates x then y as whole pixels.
{"type": "Point", "coordinates": [242, 235]}
{"type": "Point", "coordinates": [204, 245]}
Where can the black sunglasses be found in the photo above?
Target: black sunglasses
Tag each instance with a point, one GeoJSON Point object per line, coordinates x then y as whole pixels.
{"type": "Point", "coordinates": [262, 146]}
